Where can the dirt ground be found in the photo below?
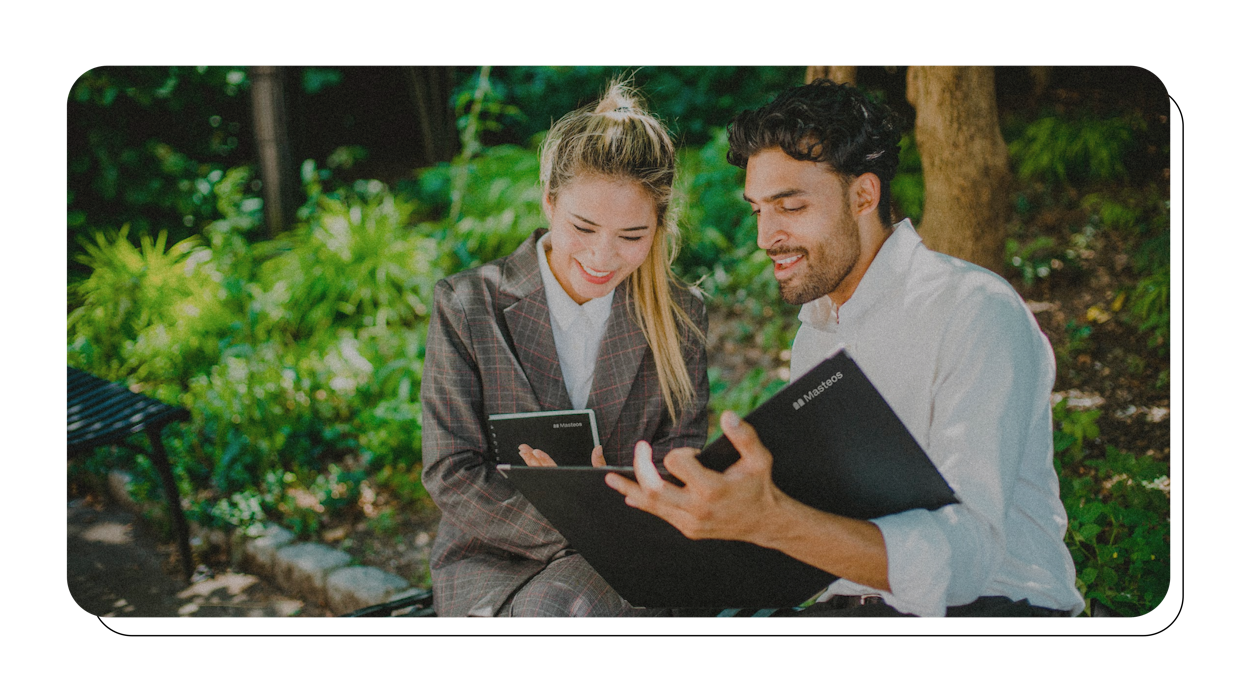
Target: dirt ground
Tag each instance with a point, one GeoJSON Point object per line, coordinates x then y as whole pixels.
{"type": "Point", "coordinates": [118, 567]}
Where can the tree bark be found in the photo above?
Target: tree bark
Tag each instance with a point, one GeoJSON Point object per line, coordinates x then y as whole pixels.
{"type": "Point", "coordinates": [964, 160]}
{"type": "Point", "coordinates": [1041, 79]}
{"type": "Point", "coordinates": [840, 74]}
{"type": "Point", "coordinates": [430, 88]}
{"type": "Point", "coordinates": [276, 169]}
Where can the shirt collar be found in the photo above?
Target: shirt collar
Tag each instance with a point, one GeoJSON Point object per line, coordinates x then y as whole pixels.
{"type": "Point", "coordinates": [886, 269]}
{"type": "Point", "coordinates": [564, 310]}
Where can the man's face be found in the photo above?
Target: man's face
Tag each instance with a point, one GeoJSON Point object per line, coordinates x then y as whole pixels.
{"type": "Point", "coordinates": [805, 224]}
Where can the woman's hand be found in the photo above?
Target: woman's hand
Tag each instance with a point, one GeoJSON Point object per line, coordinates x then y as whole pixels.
{"type": "Point", "coordinates": [538, 458]}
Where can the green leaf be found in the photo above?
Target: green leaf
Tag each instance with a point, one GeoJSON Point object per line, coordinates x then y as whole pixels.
{"type": "Point", "coordinates": [1091, 511]}
{"type": "Point", "coordinates": [1088, 532]}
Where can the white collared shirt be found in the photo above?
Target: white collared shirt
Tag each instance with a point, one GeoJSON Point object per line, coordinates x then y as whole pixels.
{"type": "Point", "coordinates": [963, 363]}
{"type": "Point", "coordinates": [578, 330]}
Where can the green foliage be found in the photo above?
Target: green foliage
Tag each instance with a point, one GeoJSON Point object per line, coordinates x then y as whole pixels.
{"type": "Point", "coordinates": [274, 361]}
{"type": "Point", "coordinates": [1033, 260]}
{"type": "Point", "coordinates": [717, 228]}
{"type": "Point", "coordinates": [1077, 338]}
{"type": "Point", "coordinates": [296, 353]}
{"type": "Point", "coordinates": [744, 396]}
{"type": "Point", "coordinates": [146, 144]}
{"type": "Point", "coordinates": [1151, 308]}
{"type": "Point", "coordinates": [1118, 505]}
{"type": "Point", "coordinates": [719, 249]}
{"type": "Point", "coordinates": [480, 108]}
{"type": "Point", "coordinates": [1081, 425]}
{"type": "Point", "coordinates": [1112, 213]}
{"type": "Point", "coordinates": [316, 79]}
{"type": "Point", "coordinates": [501, 205]}
{"type": "Point", "coordinates": [1117, 518]}
{"type": "Point", "coordinates": [692, 100]}
{"type": "Point", "coordinates": [1056, 150]}
{"type": "Point", "coordinates": [242, 509]}
{"type": "Point", "coordinates": [1043, 256]}
{"type": "Point", "coordinates": [1142, 216]}
{"type": "Point", "coordinates": [1076, 427]}
{"type": "Point", "coordinates": [354, 265]}
{"type": "Point", "coordinates": [147, 312]}
{"type": "Point", "coordinates": [908, 187]}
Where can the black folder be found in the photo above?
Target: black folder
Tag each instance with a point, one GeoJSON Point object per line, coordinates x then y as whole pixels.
{"type": "Point", "coordinates": [837, 446]}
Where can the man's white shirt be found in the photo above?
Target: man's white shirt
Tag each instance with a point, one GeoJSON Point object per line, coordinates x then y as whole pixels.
{"type": "Point", "coordinates": [963, 363]}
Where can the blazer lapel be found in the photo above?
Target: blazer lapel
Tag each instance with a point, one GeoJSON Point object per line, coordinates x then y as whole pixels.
{"type": "Point", "coordinates": [619, 356]}
{"type": "Point", "coordinates": [529, 324]}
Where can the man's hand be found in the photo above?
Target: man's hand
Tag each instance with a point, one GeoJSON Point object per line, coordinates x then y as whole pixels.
{"type": "Point", "coordinates": [738, 504]}
{"type": "Point", "coordinates": [743, 504]}
{"type": "Point", "coordinates": [538, 458]}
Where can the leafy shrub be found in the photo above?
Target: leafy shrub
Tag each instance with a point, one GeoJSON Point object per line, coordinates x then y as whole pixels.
{"type": "Point", "coordinates": [694, 101]}
{"type": "Point", "coordinates": [1080, 426]}
{"type": "Point", "coordinates": [147, 144]}
{"type": "Point", "coordinates": [1056, 150]}
{"type": "Point", "coordinates": [908, 187]}
{"type": "Point", "coordinates": [744, 396]}
{"type": "Point", "coordinates": [501, 205]}
{"type": "Point", "coordinates": [148, 313]}
{"type": "Point", "coordinates": [300, 352]}
{"type": "Point", "coordinates": [716, 223]}
{"type": "Point", "coordinates": [1151, 308]}
{"type": "Point", "coordinates": [719, 250]}
{"type": "Point", "coordinates": [1033, 260]}
{"type": "Point", "coordinates": [353, 264]}
{"type": "Point", "coordinates": [1118, 531]}
{"type": "Point", "coordinates": [1117, 519]}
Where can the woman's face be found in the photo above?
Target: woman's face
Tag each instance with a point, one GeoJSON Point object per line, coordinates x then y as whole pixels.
{"type": "Point", "coordinates": [601, 231]}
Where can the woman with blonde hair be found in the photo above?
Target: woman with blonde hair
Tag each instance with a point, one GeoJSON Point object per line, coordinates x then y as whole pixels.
{"type": "Point", "coordinates": [584, 314]}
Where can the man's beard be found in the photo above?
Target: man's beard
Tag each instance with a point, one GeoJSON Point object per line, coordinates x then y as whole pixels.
{"type": "Point", "coordinates": [826, 264]}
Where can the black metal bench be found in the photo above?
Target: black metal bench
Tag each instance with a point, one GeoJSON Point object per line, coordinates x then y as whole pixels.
{"type": "Point", "coordinates": [103, 412]}
{"type": "Point", "coordinates": [415, 604]}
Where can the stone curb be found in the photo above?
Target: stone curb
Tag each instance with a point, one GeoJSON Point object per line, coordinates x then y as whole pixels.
{"type": "Point", "coordinates": [309, 570]}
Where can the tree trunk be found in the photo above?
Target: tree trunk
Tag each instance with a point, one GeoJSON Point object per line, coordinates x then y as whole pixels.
{"type": "Point", "coordinates": [430, 88]}
{"type": "Point", "coordinates": [1041, 79]}
{"type": "Point", "coordinates": [275, 158]}
{"type": "Point", "coordinates": [964, 160]}
{"type": "Point", "coordinates": [840, 74]}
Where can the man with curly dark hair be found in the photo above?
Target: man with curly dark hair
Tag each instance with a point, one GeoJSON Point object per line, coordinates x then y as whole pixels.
{"type": "Point", "coordinates": [951, 347]}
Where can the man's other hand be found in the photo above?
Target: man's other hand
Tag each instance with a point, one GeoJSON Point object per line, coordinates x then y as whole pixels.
{"type": "Point", "coordinates": [736, 504]}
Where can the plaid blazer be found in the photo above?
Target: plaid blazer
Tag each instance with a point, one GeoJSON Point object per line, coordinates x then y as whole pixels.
{"type": "Point", "coordinates": [490, 350]}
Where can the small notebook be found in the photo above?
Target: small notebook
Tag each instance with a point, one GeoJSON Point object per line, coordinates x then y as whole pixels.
{"type": "Point", "coordinates": [567, 436]}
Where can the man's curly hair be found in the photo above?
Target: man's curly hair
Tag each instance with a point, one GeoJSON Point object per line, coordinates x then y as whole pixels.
{"type": "Point", "coordinates": [825, 122]}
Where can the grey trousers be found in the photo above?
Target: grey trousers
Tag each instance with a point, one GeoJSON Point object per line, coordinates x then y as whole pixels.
{"type": "Point", "coordinates": [568, 586]}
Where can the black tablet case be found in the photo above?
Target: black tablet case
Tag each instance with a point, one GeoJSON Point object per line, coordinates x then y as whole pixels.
{"type": "Point", "coordinates": [567, 436]}
{"type": "Point", "coordinates": [837, 446]}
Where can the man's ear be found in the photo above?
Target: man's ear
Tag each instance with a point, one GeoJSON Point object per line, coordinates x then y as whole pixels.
{"type": "Point", "coordinates": [864, 194]}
